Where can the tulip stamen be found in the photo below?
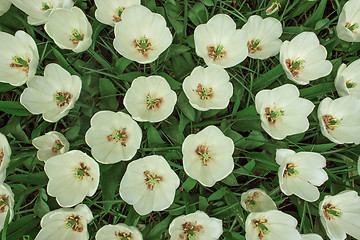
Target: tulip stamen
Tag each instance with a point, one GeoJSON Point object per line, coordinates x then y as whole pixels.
{"type": "Point", "coordinates": [205, 155]}
{"type": "Point", "coordinates": [124, 236]}
{"type": "Point", "coordinates": [261, 227]}
{"type": "Point", "coordinates": [73, 222]}
{"type": "Point", "coordinates": [251, 200]}
{"type": "Point", "coordinates": [331, 122]}
{"type": "Point", "coordinates": [216, 52]}
{"type": "Point", "coordinates": [1, 155]}
{"type": "Point", "coordinates": [151, 180]}
{"type": "Point", "coordinates": [76, 36]}
{"type": "Point", "coordinates": [350, 84]}
{"type": "Point", "coordinates": [57, 146]}
{"type": "Point", "coordinates": [3, 203]}
{"type": "Point", "coordinates": [81, 172]}
{"type": "Point", "coordinates": [191, 230]}
{"type": "Point", "coordinates": [153, 102]}
{"type": "Point", "coordinates": [352, 27]}
{"type": "Point", "coordinates": [290, 170]}
{"type": "Point", "coordinates": [203, 92]}
{"type": "Point", "coordinates": [274, 7]}
{"type": "Point", "coordinates": [119, 136]}
{"type": "Point", "coordinates": [117, 16]}
{"type": "Point", "coordinates": [62, 98]}
{"type": "Point", "coordinates": [253, 46]}
{"type": "Point", "coordinates": [20, 63]}
{"type": "Point", "coordinates": [273, 115]}
{"type": "Point", "coordinates": [330, 212]}
{"type": "Point", "coordinates": [143, 46]}
{"type": "Point", "coordinates": [46, 6]}
{"type": "Point", "coordinates": [294, 66]}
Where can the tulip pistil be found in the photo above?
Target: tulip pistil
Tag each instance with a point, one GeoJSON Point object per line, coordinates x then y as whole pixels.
{"type": "Point", "coordinates": [191, 230]}
{"type": "Point", "coordinates": [81, 172]}
{"type": "Point", "coordinates": [153, 102]}
{"type": "Point", "coordinates": [119, 136]}
{"type": "Point", "coordinates": [251, 200]}
{"type": "Point", "coordinates": [294, 66]}
{"type": "Point", "coordinates": [73, 222]}
{"type": "Point", "coordinates": [261, 227]}
{"type": "Point", "coordinates": [20, 63]}
{"type": "Point", "coordinates": [123, 236]}
{"type": "Point", "coordinates": [57, 146]}
{"type": "Point", "coordinates": [352, 27]}
{"type": "Point", "coordinates": [350, 84]}
{"type": "Point", "coordinates": [203, 92]}
{"type": "Point", "coordinates": [253, 46]}
{"type": "Point", "coordinates": [205, 155]}
{"type": "Point", "coordinates": [117, 16]}
{"type": "Point", "coordinates": [151, 180]}
{"type": "Point", "coordinates": [76, 36]}
{"type": "Point", "coordinates": [290, 170]}
{"type": "Point", "coordinates": [330, 212]}
{"type": "Point", "coordinates": [331, 122]}
{"type": "Point", "coordinates": [3, 203]}
{"type": "Point", "coordinates": [216, 52]}
{"type": "Point", "coordinates": [273, 115]}
{"type": "Point", "coordinates": [143, 46]}
{"type": "Point", "coordinates": [62, 98]}
{"type": "Point", "coordinates": [46, 6]}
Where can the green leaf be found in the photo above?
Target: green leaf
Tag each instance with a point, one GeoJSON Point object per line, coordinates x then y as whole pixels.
{"type": "Point", "coordinates": [267, 78]}
{"type": "Point", "coordinates": [153, 137]}
{"type": "Point", "coordinates": [175, 85]}
{"type": "Point", "coordinates": [121, 64]}
{"type": "Point", "coordinates": [38, 179]}
{"type": "Point", "coordinates": [14, 108]}
{"type": "Point", "coordinates": [63, 62]}
{"type": "Point", "coordinates": [157, 231]}
{"type": "Point", "coordinates": [208, 3]}
{"type": "Point", "coordinates": [5, 87]}
{"type": "Point", "coordinates": [198, 14]}
{"type": "Point", "coordinates": [108, 95]}
{"type": "Point", "coordinates": [40, 207]}
{"type": "Point", "coordinates": [22, 226]}
{"type": "Point", "coordinates": [185, 107]}
{"type": "Point", "coordinates": [218, 194]}
{"type": "Point", "coordinates": [189, 184]}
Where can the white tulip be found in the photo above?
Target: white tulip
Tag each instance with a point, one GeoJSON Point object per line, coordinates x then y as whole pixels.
{"type": "Point", "coordinates": [340, 215]}
{"type": "Point", "coordinates": [348, 79]}
{"type": "Point", "coordinates": [150, 99]}
{"type": "Point", "coordinates": [5, 153]}
{"type": "Point", "coordinates": [207, 156]}
{"type": "Point", "coordinates": [208, 88]}
{"type": "Point", "coordinates": [72, 176]}
{"type": "Point", "coordinates": [118, 232]}
{"type": "Point", "coordinates": [149, 184]}
{"type": "Point", "coordinates": [263, 36]}
{"type": "Point", "coordinates": [349, 22]}
{"type": "Point", "coordinates": [73, 34]}
{"type": "Point", "coordinates": [51, 144]}
{"type": "Point", "coordinates": [4, 6]}
{"type": "Point", "coordinates": [197, 225]}
{"type": "Point", "coordinates": [218, 42]}
{"type": "Point", "coordinates": [272, 224]}
{"type": "Point", "coordinates": [256, 200]}
{"type": "Point", "coordinates": [300, 173]}
{"type": "Point", "coordinates": [113, 137]}
{"type": "Point", "coordinates": [66, 224]}
{"type": "Point", "coordinates": [52, 95]}
{"type": "Point", "coordinates": [303, 58]}
{"type": "Point", "coordinates": [282, 111]}
{"type": "Point", "coordinates": [340, 119]}
{"type": "Point", "coordinates": [39, 10]}
{"type": "Point", "coordinates": [141, 35]}
{"type": "Point", "coordinates": [109, 11]}
{"type": "Point", "coordinates": [6, 195]}
{"type": "Point", "coordinates": [19, 58]}
{"type": "Point", "coordinates": [311, 236]}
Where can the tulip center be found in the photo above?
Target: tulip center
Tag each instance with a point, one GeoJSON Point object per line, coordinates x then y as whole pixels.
{"type": "Point", "coordinates": [62, 98]}
{"type": "Point", "coordinates": [290, 170]}
{"type": "Point", "coordinates": [46, 6]}
{"type": "Point", "coordinates": [151, 179]}
{"type": "Point", "coordinates": [57, 146]}
{"type": "Point", "coordinates": [119, 136]}
{"type": "Point", "coordinates": [294, 66]}
{"type": "Point", "coordinates": [76, 36]}
{"type": "Point", "coordinates": [275, 6]}
{"type": "Point", "coordinates": [352, 27]}
{"type": "Point", "coordinates": [1, 155]}
{"type": "Point", "coordinates": [153, 102]}
{"type": "Point", "coordinates": [253, 46]}
{"type": "Point", "coordinates": [20, 63]}
{"type": "Point", "coordinates": [123, 236]}
{"type": "Point", "coordinates": [350, 84]}
{"type": "Point", "coordinates": [273, 115]}
{"type": "Point", "coordinates": [191, 230]}
{"type": "Point", "coordinates": [73, 222]}
{"type": "Point", "coordinates": [331, 122]}
{"type": "Point", "coordinates": [261, 227]}
{"type": "Point", "coordinates": [81, 172]}
{"type": "Point", "coordinates": [217, 52]}
{"type": "Point", "coordinates": [117, 16]}
{"type": "Point", "coordinates": [143, 46]}
{"type": "Point", "coordinates": [251, 200]}
{"type": "Point", "coordinates": [3, 204]}
{"type": "Point", "coordinates": [205, 155]}
{"type": "Point", "coordinates": [330, 212]}
{"type": "Point", "coordinates": [203, 92]}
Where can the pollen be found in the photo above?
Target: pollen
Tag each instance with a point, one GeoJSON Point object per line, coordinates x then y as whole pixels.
{"type": "Point", "coordinates": [76, 36]}
{"type": "Point", "coordinates": [153, 102]}
{"type": "Point", "coordinates": [21, 63]}
{"type": "Point", "coordinates": [151, 179]}
{"type": "Point", "coordinates": [3, 204]}
{"type": "Point", "coordinates": [294, 66]}
{"type": "Point", "coordinates": [117, 16]}
{"type": "Point", "coordinates": [331, 212]}
{"type": "Point", "coordinates": [190, 231]}
{"type": "Point", "coordinates": [203, 92]}
{"type": "Point", "coordinates": [81, 172]}
{"type": "Point", "coordinates": [273, 115]}
{"type": "Point", "coordinates": [143, 46]}
{"type": "Point", "coordinates": [330, 122]}
{"type": "Point", "coordinates": [119, 136]}
{"type": "Point", "coordinates": [352, 27]}
{"type": "Point", "coordinates": [251, 200]}
{"type": "Point", "coordinates": [46, 6]}
{"type": "Point", "coordinates": [253, 46]}
{"type": "Point", "coordinates": [123, 236]}
{"type": "Point", "coordinates": [290, 170]}
{"type": "Point", "coordinates": [216, 53]}
{"type": "Point", "coordinates": [73, 222]}
{"type": "Point", "coordinates": [57, 146]}
{"type": "Point", "coordinates": [62, 98]}
{"type": "Point", "coordinates": [204, 154]}
{"type": "Point", "coordinates": [261, 227]}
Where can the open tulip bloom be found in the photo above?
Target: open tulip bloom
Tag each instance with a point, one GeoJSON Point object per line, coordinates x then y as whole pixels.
{"type": "Point", "coordinates": [340, 119]}
{"type": "Point", "coordinates": [272, 224]}
{"type": "Point", "coordinates": [311, 236]}
{"type": "Point", "coordinates": [52, 95]}
{"type": "Point", "coordinates": [72, 176]}
{"type": "Point", "coordinates": [141, 35]}
{"type": "Point", "coordinates": [349, 22]}
{"type": "Point", "coordinates": [113, 137]}
{"type": "Point", "coordinates": [6, 203]}
{"type": "Point", "coordinates": [109, 11]}
{"type": "Point", "coordinates": [149, 184]}
{"type": "Point", "coordinates": [51, 144]}
{"type": "Point", "coordinates": [4, 6]}
{"type": "Point", "coordinates": [197, 225]}
{"type": "Point", "coordinates": [208, 88]}
{"type": "Point", "coordinates": [19, 58]}
{"type": "Point", "coordinates": [282, 111]}
{"type": "Point", "coordinates": [303, 58]}
{"type": "Point", "coordinates": [340, 215]}
{"type": "Point", "coordinates": [150, 99]}
{"type": "Point", "coordinates": [263, 36]}
{"type": "Point", "coordinates": [348, 79]}
{"type": "Point", "coordinates": [300, 173]}
{"type": "Point", "coordinates": [39, 10]}
{"type": "Point", "coordinates": [73, 34]}
{"type": "Point", "coordinates": [118, 232]}
{"type": "Point", "coordinates": [5, 152]}
{"type": "Point", "coordinates": [66, 224]}
{"type": "Point", "coordinates": [256, 200]}
{"type": "Point", "coordinates": [207, 156]}
{"type": "Point", "coordinates": [218, 42]}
